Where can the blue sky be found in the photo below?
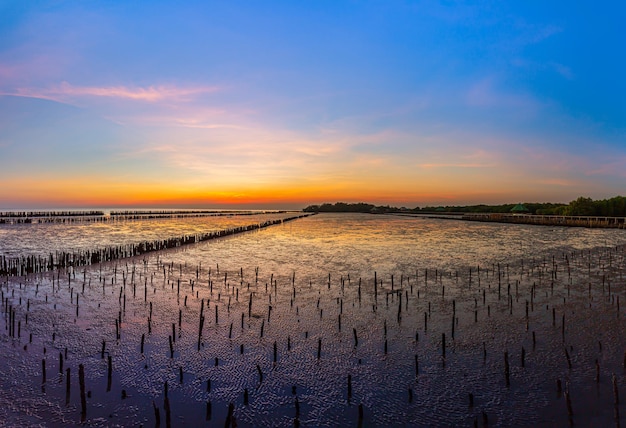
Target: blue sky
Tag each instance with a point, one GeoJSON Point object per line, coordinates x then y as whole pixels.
{"type": "Point", "coordinates": [282, 104]}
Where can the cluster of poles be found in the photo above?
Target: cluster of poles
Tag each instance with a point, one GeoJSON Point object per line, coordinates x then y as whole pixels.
{"type": "Point", "coordinates": [24, 265]}
{"type": "Point", "coordinates": [72, 217]}
{"type": "Point", "coordinates": [214, 296]}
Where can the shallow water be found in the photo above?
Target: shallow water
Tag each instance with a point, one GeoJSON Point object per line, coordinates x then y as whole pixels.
{"type": "Point", "coordinates": [430, 262]}
{"type": "Point", "coordinates": [41, 239]}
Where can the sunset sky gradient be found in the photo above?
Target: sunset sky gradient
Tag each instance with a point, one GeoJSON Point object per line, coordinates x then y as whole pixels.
{"type": "Point", "coordinates": [282, 104]}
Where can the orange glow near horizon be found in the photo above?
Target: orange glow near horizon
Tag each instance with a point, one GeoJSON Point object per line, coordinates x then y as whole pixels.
{"type": "Point", "coordinates": [294, 119]}
{"type": "Point", "coordinates": [96, 192]}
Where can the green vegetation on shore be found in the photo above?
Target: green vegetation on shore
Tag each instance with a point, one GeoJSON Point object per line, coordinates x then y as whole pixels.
{"type": "Point", "coordinates": [342, 207]}
{"type": "Point", "coordinates": [613, 207]}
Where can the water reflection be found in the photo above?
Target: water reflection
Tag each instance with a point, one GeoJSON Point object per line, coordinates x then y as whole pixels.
{"type": "Point", "coordinates": [306, 288]}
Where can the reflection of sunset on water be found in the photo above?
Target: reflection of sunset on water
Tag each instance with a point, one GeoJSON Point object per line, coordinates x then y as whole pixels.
{"type": "Point", "coordinates": [287, 314]}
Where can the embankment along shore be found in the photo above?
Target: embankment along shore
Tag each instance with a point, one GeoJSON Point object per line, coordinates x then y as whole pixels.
{"type": "Point", "coordinates": [539, 220]}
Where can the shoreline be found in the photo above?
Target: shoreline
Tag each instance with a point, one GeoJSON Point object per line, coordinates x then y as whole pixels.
{"type": "Point", "coordinates": [532, 219]}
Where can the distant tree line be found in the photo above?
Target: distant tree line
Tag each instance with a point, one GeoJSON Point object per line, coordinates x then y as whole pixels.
{"type": "Point", "coordinates": [532, 207]}
{"type": "Point", "coordinates": [613, 207]}
{"type": "Point", "coordinates": [342, 207]}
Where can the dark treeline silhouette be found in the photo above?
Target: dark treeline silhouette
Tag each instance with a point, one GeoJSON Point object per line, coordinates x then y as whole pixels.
{"type": "Point", "coordinates": [613, 207]}
{"type": "Point", "coordinates": [342, 207]}
{"type": "Point", "coordinates": [18, 266]}
{"type": "Point", "coordinates": [369, 208]}
{"type": "Point", "coordinates": [532, 207]}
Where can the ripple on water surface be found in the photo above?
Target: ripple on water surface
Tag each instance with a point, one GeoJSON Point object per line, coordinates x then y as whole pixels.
{"type": "Point", "coordinates": [286, 268]}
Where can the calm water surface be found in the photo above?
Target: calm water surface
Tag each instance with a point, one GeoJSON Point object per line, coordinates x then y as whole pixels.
{"type": "Point", "coordinates": [359, 244]}
{"type": "Point", "coordinates": [372, 241]}
{"type": "Point", "coordinates": [42, 239]}
{"type": "Point", "coordinates": [305, 288]}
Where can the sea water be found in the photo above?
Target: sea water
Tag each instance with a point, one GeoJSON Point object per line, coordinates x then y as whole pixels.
{"type": "Point", "coordinates": [368, 297]}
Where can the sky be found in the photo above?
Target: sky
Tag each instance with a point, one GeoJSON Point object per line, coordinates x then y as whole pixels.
{"type": "Point", "coordinates": [282, 104]}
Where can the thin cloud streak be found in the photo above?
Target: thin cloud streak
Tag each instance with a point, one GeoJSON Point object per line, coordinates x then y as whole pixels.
{"type": "Point", "coordinates": [485, 93]}
{"type": "Point", "coordinates": [66, 92]}
{"type": "Point", "coordinates": [206, 119]}
{"type": "Point", "coordinates": [415, 102]}
{"type": "Point", "coordinates": [614, 167]}
{"type": "Point", "coordinates": [455, 165]}
{"type": "Point", "coordinates": [560, 182]}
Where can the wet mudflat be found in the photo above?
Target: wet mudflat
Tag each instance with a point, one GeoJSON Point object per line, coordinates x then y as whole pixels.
{"type": "Point", "coordinates": [327, 321]}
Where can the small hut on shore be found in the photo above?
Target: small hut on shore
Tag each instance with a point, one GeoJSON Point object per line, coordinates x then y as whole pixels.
{"type": "Point", "coordinates": [519, 209]}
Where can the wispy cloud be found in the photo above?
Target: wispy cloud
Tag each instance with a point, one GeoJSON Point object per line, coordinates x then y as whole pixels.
{"type": "Point", "coordinates": [485, 93]}
{"type": "Point", "coordinates": [455, 165]}
{"type": "Point", "coordinates": [559, 182]}
{"type": "Point", "coordinates": [531, 34]}
{"type": "Point", "coordinates": [551, 66]}
{"type": "Point", "coordinates": [476, 159]}
{"type": "Point", "coordinates": [563, 70]}
{"type": "Point", "coordinates": [253, 153]}
{"type": "Point", "coordinates": [615, 167]}
{"type": "Point", "coordinates": [66, 92]}
{"type": "Point", "coordinates": [191, 116]}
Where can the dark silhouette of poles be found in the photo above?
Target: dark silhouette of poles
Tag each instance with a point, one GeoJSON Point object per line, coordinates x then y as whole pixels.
{"type": "Point", "coordinates": [83, 400]}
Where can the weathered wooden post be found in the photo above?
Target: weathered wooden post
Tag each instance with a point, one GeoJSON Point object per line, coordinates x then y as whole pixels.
{"type": "Point", "coordinates": [83, 400]}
